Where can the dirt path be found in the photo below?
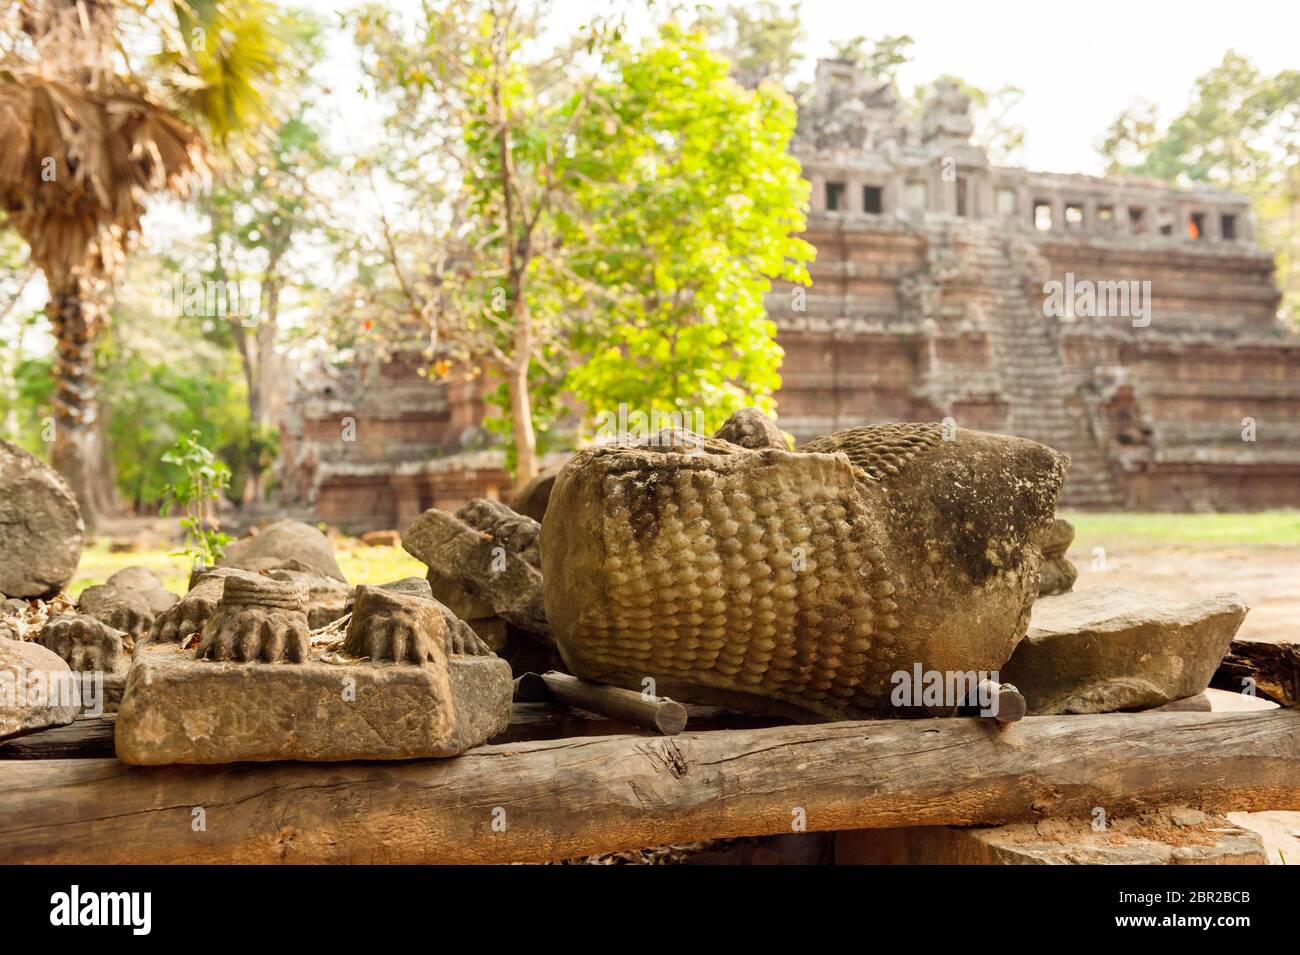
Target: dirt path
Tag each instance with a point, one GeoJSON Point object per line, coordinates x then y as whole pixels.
{"type": "Point", "coordinates": [1268, 576]}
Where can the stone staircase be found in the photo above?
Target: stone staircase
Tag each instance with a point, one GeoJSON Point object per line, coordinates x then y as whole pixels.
{"type": "Point", "coordinates": [1045, 397]}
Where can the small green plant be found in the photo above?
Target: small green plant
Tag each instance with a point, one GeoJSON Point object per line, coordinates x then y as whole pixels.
{"type": "Point", "coordinates": [205, 478]}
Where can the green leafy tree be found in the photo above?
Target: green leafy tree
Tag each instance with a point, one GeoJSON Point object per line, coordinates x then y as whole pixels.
{"type": "Point", "coordinates": [689, 204]}
{"type": "Point", "coordinates": [760, 39]}
{"type": "Point", "coordinates": [202, 480]}
{"type": "Point", "coordinates": [258, 226]}
{"type": "Point", "coordinates": [102, 104]}
{"type": "Point", "coordinates": [503, 119]}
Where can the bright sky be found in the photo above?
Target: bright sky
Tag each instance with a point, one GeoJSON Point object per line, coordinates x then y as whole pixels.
{"type": "Point", "coordinates": [1080, 64]}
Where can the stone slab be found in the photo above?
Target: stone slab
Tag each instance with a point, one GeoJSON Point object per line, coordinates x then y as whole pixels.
{"type": "Point", "coordinates": [177, 709]}
{"type": "Point", "coordinates": [1109, 648]}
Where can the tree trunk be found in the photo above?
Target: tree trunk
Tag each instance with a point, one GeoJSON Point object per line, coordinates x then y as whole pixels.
{"type": "Point", "coordinates": [521, 405]}
{"type": "Point", "coordinates": [78, 453]}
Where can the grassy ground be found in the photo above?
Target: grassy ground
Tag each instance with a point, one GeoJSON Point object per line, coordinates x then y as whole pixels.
{"type": "Point", "coordinates": [1190, 530]}
{"type": "Point", "coordinates": [360, 565]}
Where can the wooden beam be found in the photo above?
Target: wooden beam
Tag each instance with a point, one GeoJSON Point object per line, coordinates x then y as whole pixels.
{"type": "Point", "coordinates": [561, 799]}
{"type": "Point", "coordinates": [1274, 667]}
{"type": "Point", "coordinates": [658, 713]}
{"type": "Point", "coordinates": [90, 738]}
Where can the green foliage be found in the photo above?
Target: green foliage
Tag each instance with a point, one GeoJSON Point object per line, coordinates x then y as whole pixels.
{"type": "Point", "coordinates": [760, 39]}
{"type": "Point", "coordinates": [203, 479]}
{"type": "Point", "coordinates": [162, 376]}
{"type": "Point", "coordinates": [687, 204]}
{"type": "Point", "coordinates": [230, 57]}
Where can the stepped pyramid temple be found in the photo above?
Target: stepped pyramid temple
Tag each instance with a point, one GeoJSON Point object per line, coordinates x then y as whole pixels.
{"type": "Point", "coordinates": [1127, 323]}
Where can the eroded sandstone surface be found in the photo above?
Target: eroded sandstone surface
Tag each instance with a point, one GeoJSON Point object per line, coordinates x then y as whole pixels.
{"type": "Point", "coordinates": [796, 582]}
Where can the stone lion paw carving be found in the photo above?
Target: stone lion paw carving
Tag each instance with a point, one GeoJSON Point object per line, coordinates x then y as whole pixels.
{"type": "Point", "coordinates": [85, 643]}
{"type": "Point", "coordinates": [120, 608]}
{"type": "Point", "coordinates": [461, 638]}
{"type": "Point", "coordinates": [191, 613]}
{"type": "Point", "coordinates": [392, 627]}
{"type": "Point", "coordinates": [257, 620]}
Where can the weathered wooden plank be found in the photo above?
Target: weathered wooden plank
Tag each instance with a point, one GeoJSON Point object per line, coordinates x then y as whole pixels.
{"type": "Point", "coordinates": [1274, 667]}
{"type": "Point", "coordinates": [567, 798]}
{"type": "Point", "coordinates": [91, 738]}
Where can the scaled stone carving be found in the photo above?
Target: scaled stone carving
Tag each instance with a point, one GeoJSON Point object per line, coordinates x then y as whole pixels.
{"type": "Point", "coordinates": [796, 583]}
{"type": "Point", "coordinates": [1110, 648]}
{"type": "Point", "coordinates": [258, 619]}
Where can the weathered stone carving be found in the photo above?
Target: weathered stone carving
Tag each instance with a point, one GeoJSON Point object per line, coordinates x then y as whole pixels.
{"type": "Point", "coordinates": [1058, 574]}
{"type": "Point", "coordinates": [1110, 648]}
{"type": "Point", "coordinates": [191, 613]}
{"type": "Point", "coordinates": [41, 524]}
{"type": "Point", "coordinates": [750, 428]}
{"type": "Point", "coordinates": [87, 644]}
{"type": "Point", "coordinates": [392, 627]}
{"type": "Point", "coordinates": [402, 683]}
{"type": "Point", "coordinates": [796, 582]}
{"type": "Point", "coordinates": [122, 609]}
{"type": "Point", "coordinates": [327, 598]}
{"type": "Point", "coordinates": [483, 561]}
{"type": "Point", "coordinates": [258, 619]}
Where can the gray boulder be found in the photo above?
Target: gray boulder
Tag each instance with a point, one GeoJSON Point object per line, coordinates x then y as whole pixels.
{"type": "Point", "coordinates": [40, 526]}
{"type": "Point", "coordinates": [284, 545]}
{"type": "Point", "coordinates": [36, 689]}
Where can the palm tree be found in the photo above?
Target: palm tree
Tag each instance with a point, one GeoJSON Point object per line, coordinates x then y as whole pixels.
{"type": "Point", "coordinates": [90, 131]}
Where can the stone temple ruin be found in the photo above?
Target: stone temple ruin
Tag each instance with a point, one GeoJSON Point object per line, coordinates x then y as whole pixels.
{"type": "Point", "coordinates": [631, 672]}
{"type": "Point", "coordinates": [928, 304]}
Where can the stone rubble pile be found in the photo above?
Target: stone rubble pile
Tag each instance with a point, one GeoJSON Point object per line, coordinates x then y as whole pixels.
{"type": "Point", "coordinates": [728, 570]}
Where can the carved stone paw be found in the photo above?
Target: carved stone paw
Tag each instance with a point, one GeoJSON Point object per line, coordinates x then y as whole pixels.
{"type": "Point", "coordinates": [461, 638]}
{"type": "Point", "coordinates": [85, 643]}
{"type": "Point", "coordinates": [258, 620]}
{"type": "Point", "coordinates": [392, 627]}
{"type": "Point", "coordinates": [192, 612]}
{"type": "Point", "coordinates": [121, 609]}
